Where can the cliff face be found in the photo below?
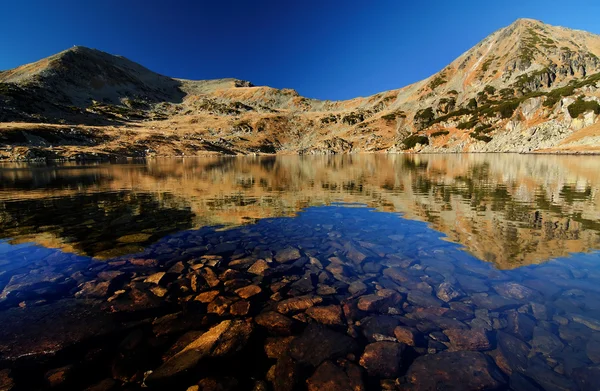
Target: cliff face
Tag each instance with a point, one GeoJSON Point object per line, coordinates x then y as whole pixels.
{"type": "Point", "coordinates": [527, 87]}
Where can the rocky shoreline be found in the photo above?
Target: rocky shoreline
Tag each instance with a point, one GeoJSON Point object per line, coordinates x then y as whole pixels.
{"type": "Point", "coordinates": [335, 299]}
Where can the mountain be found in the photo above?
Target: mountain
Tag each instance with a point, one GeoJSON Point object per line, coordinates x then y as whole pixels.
{"type": "Point", "coordinates": [529, 87]}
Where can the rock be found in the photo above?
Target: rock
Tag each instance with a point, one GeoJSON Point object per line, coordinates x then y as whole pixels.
{"type": "Point", "coordinates": [210, 277]}
{"type": "Point", "coordinates": [520, 325]}
{"type": "Point", "coordinates": [287, 254]}
{"type": "Point", "coordinates": [548, 379]}
{"type": "Point", "coordinates": [592, 350]}
{"type": "Point", "coordinates": [406, 335]}
{"type": "Point", "coordinates": [275, 347]}
{"type": "Point", "coordinates": [473, 339]}
{"type": "Point", "coordinates": [222, 340]}
{"type": "Point", "coordinates": [181, 343]}
{"type": "Point", "coordinates": [94, 289]}
{"type": "Point", "coordinates": [207, 297]}
{"type": "Point", "coordinates": [447, 292]}
{"type": "Point", "coordinates": [587, 378]}
{"type": "Point", "coordinates": [104, 385]}
{"type": "Point", "coordinates": [299, 303]}
{"type": "Point", "coordinates": [592, 323]}
{"type": "Point", "coordinates": [545, 342]}
{"type": "Point", "coordinates": [357, 287]}
{"type": "Point", "coordinates": [259, 267]}
{"type": "Point", "coordinates": [240, 308]}
{"type": "Point", "coordinates": [176, 323]}
{"type": "Point", "coordinates": [286, 375]}
{"type": "Point", "coordinates": [383, 359]}
{"type": "Point", "coordinates": [380, 324]}
{"type": "Point", "coordinates": [275, 322]}
{"type": "Point", "coordinates": [64, 323]}
{"type": "Point", "coordinates": [454, 371]}
{"type": "Point", "coordinates": [330, 377]}
{"type": "Point", "coordinates": [493, 302]}
{"type": "Point", "coordinates": [248, 291]}
{"type": "Point", "coordinates": [155, 278]}
{"type": "Point", "coordinates": [328, 315]}
{"type": "Point", "coordinates": [471, 284]}
{"type": "Point", "coordinates": [512, 290]}
{"type": "Point", "coordinates": [514, 351]}
{"type": "Point", "coordinates": [55, 378]}
{"type": "Point", "coordinates": [219, 305]}
{"type": "Point", "coordinates": [25, 283]}
{"type": "Point", "coordinates": [396, 274]}
{"type": "Point", "coordinates": [6, 381]}
{"type": "Point", "coordinates": [422, 299]}
{"type": "Point", "coordinates": [218, 384]}
{"type": "Point", "coordinates": [318, 343]}
{"type": "Point", "coordinates": [519, 382]}
{"type": "Point", "coordinates": [260, 385]}
{"type": "Point", "coordinates": [371, 303]}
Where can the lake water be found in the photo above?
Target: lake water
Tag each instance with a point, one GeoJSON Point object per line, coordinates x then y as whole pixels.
{"type": "Point", "coordinates": [362, 272]}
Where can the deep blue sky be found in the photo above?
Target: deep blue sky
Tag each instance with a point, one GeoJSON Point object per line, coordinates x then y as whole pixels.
{"type": "Point", "coordinates": [326, 49]}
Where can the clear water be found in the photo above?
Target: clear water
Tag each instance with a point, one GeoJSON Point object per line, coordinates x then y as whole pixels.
{"type": "Point", "coordinates": [516, 236]}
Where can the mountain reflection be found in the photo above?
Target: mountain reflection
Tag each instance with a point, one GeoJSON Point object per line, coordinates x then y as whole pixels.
{"type": "Point", "coordinates": [511, 210]}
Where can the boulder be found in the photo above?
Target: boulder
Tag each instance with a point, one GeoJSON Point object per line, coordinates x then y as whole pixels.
{"type": "Point", "coordinates": [330, 377]}
{"type": "Point", "coordinates": [328, 315]}
{"type": "Point", "coordinates": [318, 343]}
{"type": "Point", "coordinates": [464, 370]}
{"type": "Point", "coordinates": [222, 340]}
{"type": "Point", "coordinates": [383, 359]}
{"type": "Point", "coordinates": [465, 339]}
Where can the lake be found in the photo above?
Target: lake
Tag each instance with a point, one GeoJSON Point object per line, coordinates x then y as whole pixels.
{"type": "Point", "coordinates": [362, 272]}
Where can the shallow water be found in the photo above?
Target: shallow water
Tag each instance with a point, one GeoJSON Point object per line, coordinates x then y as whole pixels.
{"type": "Point", "coordinates": [494, 254]}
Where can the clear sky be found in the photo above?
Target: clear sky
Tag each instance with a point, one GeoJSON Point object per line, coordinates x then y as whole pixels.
{"type": "Point", "coordinates": [328, 49]}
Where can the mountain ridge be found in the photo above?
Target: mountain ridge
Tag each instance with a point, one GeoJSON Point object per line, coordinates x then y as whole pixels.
{"type": "Point", "coordinates": [524, 88]}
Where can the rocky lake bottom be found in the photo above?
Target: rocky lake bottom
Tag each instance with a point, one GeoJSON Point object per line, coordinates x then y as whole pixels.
{"type": "Point", "coordinates": [337, 296]}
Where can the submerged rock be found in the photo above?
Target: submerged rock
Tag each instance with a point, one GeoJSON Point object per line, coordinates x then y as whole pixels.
{"type": "Point", "coordinates": [383, 359]}
{"type": "Point", "coordinates": [473, 339]}
{"type": "Point", "coordinates": [46, 330]}
{"type": "Point", "coordinates": [447, 292]}
{"type": "Point", "coordinates": [287, 254]}
{"type": "Point", "coordinates": [318, 343]}
{"type": "Point", "coordinates": [275, 322]}
{"type": "Point", "coordinates": [330, 377]}
{"type": "Point", "coordinates": [454, 371]}
{"type": "Point", "coordinates": [299, 303]}
{"type": "Point", "coordinates": [328, 315]}
{"type": "Point", "coordinates": [512, 290]}
{"type": "Point", "coordinates": [224, 339]}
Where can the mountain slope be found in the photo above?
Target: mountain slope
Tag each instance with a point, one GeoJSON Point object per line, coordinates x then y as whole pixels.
{"type": "Point", "coordinates": [526, 87]}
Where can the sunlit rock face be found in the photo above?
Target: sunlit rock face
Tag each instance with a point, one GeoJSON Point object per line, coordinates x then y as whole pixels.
{"type": "Point", "coordinates": [511, 210]}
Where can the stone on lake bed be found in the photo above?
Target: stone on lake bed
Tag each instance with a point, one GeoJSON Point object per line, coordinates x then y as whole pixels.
{"type": "Point", "coordinates": [318, 343]}
{"type": "Point", "coordinates": [328, 315]}
{"type": "Point", "coordinates": [473, 339]}
{"type": "Point", "coordinates": [447, 292]}
{"type": "Point", "coordinates": [275, 322]}
{"type": "Point", "coordinates": [134, 238]}
{"type": "Point", "coordinates": [64, 323]}
{"type": "Point", "coordinates": [516, 291]}
{"type": "Point", "coordinates": [224, 339]}
{"type": "Point", "coordinates": [371, 303]}
{"type": "Point", "coordinates": [275, 347]}
{"type": "Point", "coordinates": [514, 351]}
{"type": "Point", "coordinates": [422, 299]}
{"type": "Point", "coordinates": [592, 323]}
{"type": "Point", "coordinates": [6, 381]}
{"type": "Point", "coordinates": [248, 291]}
{"type": "Point", "coordinates": [330, 377]}
{"type": "Point", "coordinates": [155, 278]}
{"type": "Point", "coordinates": [406, 335]}
{"type": "Point", "coordinates": [287, 254]}
{"type": "Point", "coordinates": [299, 303]}
{"type": "Point", "coordinates": [545, 341]}
{"type": "Point", "coordinates": [207, 297]}
{"type": "Point", "coordinates": [465, 370]}
{"type": "Point", "coordinates": [259, 267]}
{"type": "Point", "coordinates": [383, 359]}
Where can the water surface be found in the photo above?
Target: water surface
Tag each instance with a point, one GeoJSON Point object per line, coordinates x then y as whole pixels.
{"type": "Point", "coordinates": [504, 245]}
